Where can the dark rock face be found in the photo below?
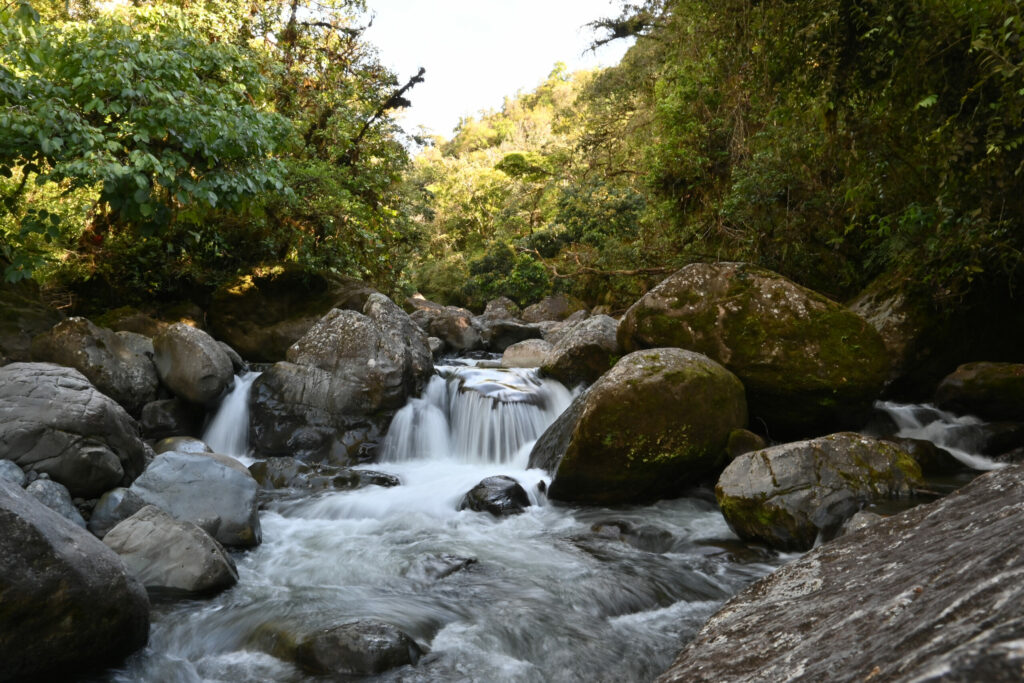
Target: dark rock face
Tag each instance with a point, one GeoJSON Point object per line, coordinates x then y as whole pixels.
{"type": "Point", "coordinates": [22, 316]}
{"type": "Point", "coordinates": [213, 491]}
{"type": "Point", "coordinates": [993, 391]}
{"type": "Point", "coordinates": [341, 383]}
{"type": "Point", "coordinates": [808, 364]}
{"type": "Point", "coordinates": [501, 496]}
{"type": "Point", "coordinates": [68, 604]}
{"type": "Point", "coordinates": [932, 594]}
{"type": "Point", "coordinates": [261, 316]}
{"type": "Point", "coordinates": [52, 420]}
{"type": "Point", "coordinates": [192, 364]}
{"type": "Point", "coordinates": [788, 494]}
{"type": "Point", "coordinates": [169, 556]}
{"type": "Point", "coordinates": [585, 352]}
{"type": "Point", "coordinates": [362, 647]}
{"type": "Point", "coordinates": [652, 425]}
{"type": "Point", "coordinates": [170, 417]}
{"type": "Point", "coordinates": [498, 335]}
{"type": "Point", "coordinates": [557, 307]}
{"type": "Point", "coordinates": [119, 364]}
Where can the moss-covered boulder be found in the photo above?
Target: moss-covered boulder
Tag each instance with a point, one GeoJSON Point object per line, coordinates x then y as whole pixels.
{"type": "Point", "coordinates": [808, 364]}
{"type": "Point", "coordinates": [788, 495]}
{"type": "Point", "coordinates": [655, 423]}
{"type": "Point", "coordinates": [261, 315]}
{"type": "Point", "coordinates": [994, 391]}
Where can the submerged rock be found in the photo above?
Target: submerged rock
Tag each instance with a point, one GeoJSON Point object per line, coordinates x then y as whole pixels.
{"type": "Point", "coordinates": [808, 364]}
{"type": "Point", "coordinates": [67, 603]}
{"type": "Point", "coordinates": [501, 496]}
{"type": "Point", "coordinates": [119, 364]}
{"type": "Point", "coordinates": [360, 648]}
{"type": "Point", "coordinates": [654, 424]}
{"type": "Point", "coordinates": [192, 364]}
{"type": "Point", "coordinates": [932, 594]}
{"type": "Point", "coordinates": [52, 420]}
{"type": "Point", "coordinates": [994, 391]}
{"type": "Point", "coordinates": [171, 556]}
{"type": "Point", "coordinates": [289, 473]}
{"type": "Point", "coordinates": [585, 352]}
{"type": "Point", "coordinates": [788, 495]}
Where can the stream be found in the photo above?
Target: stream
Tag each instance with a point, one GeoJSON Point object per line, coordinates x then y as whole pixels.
{"type": "Point", "coordinates": [557, 593]}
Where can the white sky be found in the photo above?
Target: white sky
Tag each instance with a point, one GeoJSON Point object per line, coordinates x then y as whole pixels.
{"type": "Point", "coordinates": [478, 51]}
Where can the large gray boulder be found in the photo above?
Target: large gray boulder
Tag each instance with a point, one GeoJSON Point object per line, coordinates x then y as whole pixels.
{"type": "Point", "coordinates": [788, 495]}
{"type": "Point", "coordinates": [67, 603]}
{"type": "Point", "coordinates": [994, 391]}
{"type": "Point", "coordinates": [53, 420]}
{"type": "Point", "coordinates": [192, 364]}
{"type": "Point", "coordinates": [169, 556]}
{"type": "Point", "coordinates": [808, 364]}
{"type": "Point", "coordinates": [452, 325]}
{"type": "Point", "coordinates": [342, 383]}
{"type": "Point", "coordinates": [931, 594]}
{"type": "Point", "coordinates": [657, 422]}
{"type": "Point", "coordinates": [554, 307]}
{"type": "Point", "coordinates": [531, 353]}
{"type": "Point", "coordinates": [213, 491]}
{"type": "Point", "coordinates": [260, 316]}
{"type": "Point", "coordinates": [585, 352]}
{"type": "Point", "coordinates": [119, 364]}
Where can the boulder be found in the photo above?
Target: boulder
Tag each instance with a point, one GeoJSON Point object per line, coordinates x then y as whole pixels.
{"type": "Point", "coordinates": [120, 365]}
{"type": "Point", "coordinates": [289, 473]}
{"type": "Point", "coordinates": [436, 347]}
{"type": "Point", "coordinates": [501, 308]}
{"type": "Point", "coordinates": [788, 495]}
{"type": "Point", "coordinates": [237, 364]}
{"type": "Point", "coordinates": [168, 556]}
{"type": "Point", "coordinates": [260, 316]}
{"type": "Point", "coordinates": [451, 324]}
{"type": "Point", "coordinates": [53, 420]}
{"type": "Point", "coordinates": [585, 352]}
{"type": "Point", "coordinates": [182, 444]}
{"type": "Point", "coordinates": [11, 473]}
{"type": "Point", "coordinates": [56, 497]}
{"type": "Point", "coordinates": [994, 391]}
{"type": "Point", "coordinates": [341, 384]}
{"type": "Point", "coordinates": [170, 417]}
{"type": "Point", "coordinates": [743, 441]}
{"type": "Point", "coordinates": [933, 460]}
{"type": "Point", "coordinates": [128, 319]}
{"type": "Point", "coordinates": [931, 594]}
{"type": "Point", "coordinates": [531, 353]}
{"type": "Point", "coordinates": [498, 335]}
{"type": "Point", "coordinates": [68, 603]}
{"type": "Point", "coordinates": [113, 507]}
{"type": "Point", "coordinates": [213, 491]}
{"type": "Point", "coordinates": [654, 424]}
{"type": "Point", "coordinates": [808, 364]}
{"type": "Point", "coordinates": [556, 307]}
{"type": "Point", "coordinates": [192, 364]}
{"type": "Point", "coordinates": [23, 315]}
{"type": "Point", "coordinates": [501, 496]}
{"type": "Point", "coordinates": [358, 648]}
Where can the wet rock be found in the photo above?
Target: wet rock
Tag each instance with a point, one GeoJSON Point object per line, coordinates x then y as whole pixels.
{"type": "Point", "coordinates": [994, 391]}
{"type": "Point", "coordinates": [289, 473]}
{"type": "Point", "coordinates": [808, 364]}
{"type": "Point", "coordinates": [651, 426]}
{"type": "Point", "coordinates": [585, 352]}
{"type": "Point", "coordinates": [182, 444]}
{"type": "Point", "coordinates": [120, 365]}
{"type": "Point", "coordinates": [115, 506]}
{"type": "Point", "coordinates": [260, 316]}
{"type": "Point", "coordinates": [934, 461]}
{"type": "Point", "coordinates": [13, 474]}
{"type": "Point", "coordinates": [341, 384]}
{"type": "Point", "coordinates": [451, 324]}
{"type": "Point", "coordinates": [788, 495]}
{"type": "Point", "coordinates": [498, 335]}
{"type": "Point", "coordinates": [213, 491]}
{"type": "Point", "coordinates": [431, 568]}
{"type": "Point", "coordinates": [501, 496]}
{"type": "Point", "coordinates": [237, 364]}
{"type": "Point", "coordinates": [192, 364]}
{"type": "Point", "coordinates": [56, 497]}
{"type": "Point", "coordinates": [645, 537]}
{"type": "Point", "coordinates": [169, 556]}
{"type": "Point", "coordinates": [526, 354]}
{"type": "Point", "coordinates": [170, 417]}
{"type": "Point", "coordinates": [557, 307]}
{"type": "Point", "coordinates": [931, 594]}
{"type": "Point", "coordinates": [53, 420]}
{"type": "Point", "coordinates": [69, 604]}
{"type": "Point", "coordinates": [359, 648]}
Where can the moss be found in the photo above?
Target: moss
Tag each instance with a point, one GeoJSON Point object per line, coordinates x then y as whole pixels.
{"type": "Point", "coordinates": [759, 520]}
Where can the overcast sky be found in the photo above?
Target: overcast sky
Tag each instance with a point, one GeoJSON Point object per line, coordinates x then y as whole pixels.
{"type": "Point", "coordinates": [478, 51]}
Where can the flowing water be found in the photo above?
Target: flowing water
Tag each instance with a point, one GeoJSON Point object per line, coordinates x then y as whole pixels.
{"type": "Point", "coordinates": [554, 594]}
{"type": "Point", "coordinates": [228, 431]}
{"type": "Point", "coordinates": [959, 434]}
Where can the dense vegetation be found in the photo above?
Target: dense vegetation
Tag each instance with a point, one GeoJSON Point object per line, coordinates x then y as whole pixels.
{"type": "Point", "coordinates": [161, 149]}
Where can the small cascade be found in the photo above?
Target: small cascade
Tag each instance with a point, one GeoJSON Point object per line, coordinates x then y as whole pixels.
{"type": "Point", "coordinates": [228, 431]}
{"type": "Point", "coordinates": [476, 415]}
{"type": "Point", "coordinates": [958, 434]}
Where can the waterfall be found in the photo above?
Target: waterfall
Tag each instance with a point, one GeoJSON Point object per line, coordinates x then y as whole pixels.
{"type": "Point", "coordinates": [956, 434]}
{"type": "Point", "coordinates": [228, 431]}
{"type": "Point", "coordinates": [476, 415]}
